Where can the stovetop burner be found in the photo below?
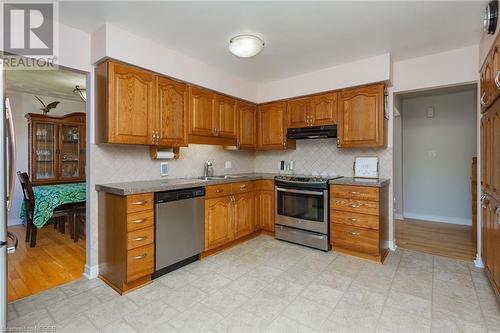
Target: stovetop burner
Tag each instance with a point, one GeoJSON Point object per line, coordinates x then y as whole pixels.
{"type": "Point", "coordinates": [306, 178]}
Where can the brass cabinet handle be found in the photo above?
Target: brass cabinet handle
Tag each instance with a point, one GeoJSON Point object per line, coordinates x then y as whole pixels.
{"type": "Point", "coordinates": [483, 102]}
{"type": "Point", "coordinates": [139, 221]}
{"type": "Point", "coordinates": [355, 205]}
{"type": "Point", "coordinates": [497, 81]}
{"type": "Point", "coordinates": [219, 190]}
{"type": "Point", "coordinates": [354, 192]}
{"type": "Point", "coordinates": [140, 239]}
{"type": "Point", "coordinates": [142, 256]}
{"type": "Point", "coordinates": [139, 203]}
{"type": "Point", "coordinates": [353, 219]}
{"type": "Point", "coordinates": [243, 187]}
{"type": "Point", "coordinates": [354, 233]}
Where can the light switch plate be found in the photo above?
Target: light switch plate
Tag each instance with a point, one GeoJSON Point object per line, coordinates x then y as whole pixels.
{"type": "Point", "coordinates": [164, 169]}
{"type": "Point", "coordinates": [228, 165]}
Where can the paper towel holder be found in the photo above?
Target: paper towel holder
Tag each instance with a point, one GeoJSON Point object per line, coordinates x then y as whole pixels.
{"type": "Point", "coordinates": [154, 150]}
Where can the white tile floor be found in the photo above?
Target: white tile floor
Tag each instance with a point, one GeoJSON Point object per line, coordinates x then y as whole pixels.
{"type": "Point", "coordinates": [272, 286]}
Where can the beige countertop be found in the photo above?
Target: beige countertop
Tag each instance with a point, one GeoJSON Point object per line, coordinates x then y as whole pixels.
{"type": "Point", "coordinates": [160, 185]}
{"type": "Point", "coordinates": [376, 182]}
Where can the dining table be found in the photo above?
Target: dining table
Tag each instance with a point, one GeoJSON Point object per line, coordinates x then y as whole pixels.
{"type": "Point", "coordinates": [49, 197]}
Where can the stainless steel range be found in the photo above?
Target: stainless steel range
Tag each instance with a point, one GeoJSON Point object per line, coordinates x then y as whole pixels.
{"type": "Point", "coordinates": [302, 210]}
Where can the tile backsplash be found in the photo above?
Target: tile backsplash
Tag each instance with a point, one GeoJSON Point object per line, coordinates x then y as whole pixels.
{"type": "Point", "coordinates": [322, 156]}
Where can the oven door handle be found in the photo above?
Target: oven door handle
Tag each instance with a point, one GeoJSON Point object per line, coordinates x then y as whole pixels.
{"type": "Point", "coordinates": [280, 189]}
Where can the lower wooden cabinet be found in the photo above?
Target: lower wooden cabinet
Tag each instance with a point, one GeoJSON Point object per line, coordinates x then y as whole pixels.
{"type": "Point", "coordinates": [490, 212]}
{"type": "Point", "coordinates": [244, 218]}
{"type": "Point", "coordinates": [126, 240]}
{"type": "Point", "coordinates": [218, 222]}
{"type": "Point", "coordinates": [359, 220]}
{"type": "Point", "coordinates": [264, 205]}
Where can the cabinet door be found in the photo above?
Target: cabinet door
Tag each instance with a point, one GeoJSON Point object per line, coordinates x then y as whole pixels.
{"type": "Point", "coordinates": [266, 210]}
{"type": "Point", "coordinates": [486, 151]}
{"type": "Point", "coordinates": [484, 227]}
{"type": "Point", "coordinates": [271, 126]}
{"type": "Point", "coordinates": [247, 127]}
{"type": "Point", "coordinates": [495, 211]}
{"type": "Point", "coordinates": [225, 117]}
{"type": "Point", "coordinates": [201, 112]}
{"type": "Point", "coordinates": [361, 117]}
{"type": "Point", "coordinates": [243, 214]}
{"type": "Point", "coordinates": [69, 152]}
{"type": "Point", "coordinates": [130, 105]}
{"type": "Point", "coordinates": [490, 236]}
{"type": "Point", "coordinates": [486, 80]}
{"type": "Point", "coordinates": [494, 166]}
{"type": "Point", "coordinates": [298, 114]}
{"type": "Point", "coordinates": [44, 154]}
{"type": "Point", "coordinates": [218, 222]}
{"type": "Point", "coordinates": [171, 112]}
{"type": "Point", "coordinates": [324, 109]}
{"type": "Point", "coordinates": [495, 71]}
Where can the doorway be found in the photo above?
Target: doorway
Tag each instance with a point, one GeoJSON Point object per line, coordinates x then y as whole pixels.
{"type": "Point", "coordinates": [49, 114]}
{"type": "Point", "coordinates": [435, 143]}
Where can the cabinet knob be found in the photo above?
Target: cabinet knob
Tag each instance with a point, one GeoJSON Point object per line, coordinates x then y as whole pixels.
{"type": "Point", "coordinates": [219, 190]}
{"type": "Point", "coordinates": [142, 256]}
{"type": "Point", "coordinates": [354, 233]}
{"type": "Point", "coordinates": [139, 221]}
{"type": "Point", "coordinates": [353, 219]}
{"type": "Point", "coordinates": [139, 203]}
{"type": "Point", "coordinates": [140, 239]}
{"type": "Point", "coordinates": [354, 193]}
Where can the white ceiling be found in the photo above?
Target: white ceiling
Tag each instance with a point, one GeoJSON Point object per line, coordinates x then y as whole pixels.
{"type": "Point", "coordinates": [300, 36]}
{"type": "Point", "coordinates": [58, 83]}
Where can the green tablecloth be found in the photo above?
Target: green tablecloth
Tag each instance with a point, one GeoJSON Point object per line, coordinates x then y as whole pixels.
{"type": "Point", "coordinates": [49, 197]}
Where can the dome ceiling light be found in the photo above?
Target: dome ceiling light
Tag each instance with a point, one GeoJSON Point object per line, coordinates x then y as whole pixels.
{"type": "Point", "coordinates": [246, 46]}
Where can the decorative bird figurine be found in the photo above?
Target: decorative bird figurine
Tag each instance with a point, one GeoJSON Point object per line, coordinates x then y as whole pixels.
{"type": "Point", "coordinates": [46, 108]}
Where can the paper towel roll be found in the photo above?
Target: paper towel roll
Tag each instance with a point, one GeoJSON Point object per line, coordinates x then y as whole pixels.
{"type": "Point", "coordinates": [164, 154]}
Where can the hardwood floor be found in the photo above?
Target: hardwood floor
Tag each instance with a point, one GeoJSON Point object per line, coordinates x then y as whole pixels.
{"type": "Point", "coordinates": [55, 260]}
{"type": "Point", "coordinates": [442, 239]}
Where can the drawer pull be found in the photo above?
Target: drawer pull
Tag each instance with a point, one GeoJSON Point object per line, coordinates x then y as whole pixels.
{"type": "Point", "coordinates": [142, 256]}
{"type": "Point", "coordinates": [139, 203]}
{"type": "Point", "coordinates": [139, 221]}
{"type": "Point", "coordinates": [355, 205]}
{"type": "Point", "coordinates": [140, 239]}
{"type": "Point", "coordinates": [353, 219]}
{"type": "Point", "coordinates": [354, 193]}
{"type": "Point", "coordinates": [243, 187]}
{"type": "Point", "coordinates": [220, 190]}
{"type": "Point", "coordinates": [354, 233]}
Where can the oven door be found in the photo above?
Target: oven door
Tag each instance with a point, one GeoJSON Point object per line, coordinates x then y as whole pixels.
{"type": "Point", "coordinates": [302, 209]}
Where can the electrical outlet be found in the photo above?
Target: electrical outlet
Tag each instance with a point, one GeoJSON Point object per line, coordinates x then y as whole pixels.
{"type": "Point", "coordinates": [164, 169]}
{"type": "Point", "coordinates": [228, 165]}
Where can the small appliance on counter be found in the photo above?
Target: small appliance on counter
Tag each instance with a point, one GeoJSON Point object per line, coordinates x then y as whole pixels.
{"type": "Point", "coordinates": [302, 210]}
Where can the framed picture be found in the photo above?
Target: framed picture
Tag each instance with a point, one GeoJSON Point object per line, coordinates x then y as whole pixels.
{"type": "Point", "coordinates": [366, 167]}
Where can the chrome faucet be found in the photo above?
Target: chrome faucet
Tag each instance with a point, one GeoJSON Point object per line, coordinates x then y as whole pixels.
{"type": "Point", "coordinates": [208, 170]}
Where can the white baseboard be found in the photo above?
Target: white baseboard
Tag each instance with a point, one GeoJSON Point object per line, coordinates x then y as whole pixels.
{"type": "Point", "coordinates": [392, 245]}
{"type": "Point", "coordinates": [91, 272]}
{"type": "Point", "coordinates": [437, 218]}
{"type": "Point", "coordinates": [478, 262]}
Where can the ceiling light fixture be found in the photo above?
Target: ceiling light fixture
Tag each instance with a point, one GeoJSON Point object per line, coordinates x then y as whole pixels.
{"type": "Point", "coordinates": [246, 46]}
{"type": "Point", "coordinates": [81, 92]}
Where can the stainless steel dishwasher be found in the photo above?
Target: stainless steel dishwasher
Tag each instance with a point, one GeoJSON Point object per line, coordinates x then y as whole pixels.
{"type": "Point", "coordinates": [179, 228]}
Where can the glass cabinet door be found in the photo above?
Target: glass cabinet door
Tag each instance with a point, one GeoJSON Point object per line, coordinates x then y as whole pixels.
{"type": "Point", "coordinates": [45, 151]}
{"type": "Point", "coordinates": [70, 152]}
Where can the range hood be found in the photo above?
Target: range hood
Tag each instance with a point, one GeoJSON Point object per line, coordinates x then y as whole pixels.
{"type": "Point", "coordinates": [315, 132]}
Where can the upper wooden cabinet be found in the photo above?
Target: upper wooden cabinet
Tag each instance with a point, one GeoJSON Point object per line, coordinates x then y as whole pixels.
{"type": "Point", "coordinates": [247, 125]}
{"type": "Point", "coordinates": [171, 115]}
{"type": "Point", "coordinates": [271, 132]}
{"type": "Point", "coordinates": [125, 109]}
{"type": "Point", "coordinates": [316, 110]}
{"type": "Point", "coordinates": [226, 121]}
{"type": "Point", "coordinates": [135, 106]}
{"type": "Point", "coordinates": [361, 117]}
{"type": "Point", "coordinates": [201, 112]}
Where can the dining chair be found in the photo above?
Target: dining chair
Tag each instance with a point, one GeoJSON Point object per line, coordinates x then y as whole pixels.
{"type": "Point", "coordinates": [29, 199]}
{"type": "Point", "coordinates": [77, 222]}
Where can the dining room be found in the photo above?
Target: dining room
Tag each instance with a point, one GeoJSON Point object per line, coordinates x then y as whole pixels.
{"type": "Point", "coordinates": [48, 210]}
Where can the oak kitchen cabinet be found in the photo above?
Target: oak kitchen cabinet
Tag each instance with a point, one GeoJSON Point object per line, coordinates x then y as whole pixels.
{"type": "Point", "coordinates": [212, 117]}
{"type": "Point", "coordinates": [264, 205]}
{"type": "Point", "coordinates": [247, 125]}
{"type": "Point", "coordinates": [135, 106]}
{"type": "Point", "coordinates": [317, 110]}
{"type": "Point", "coordinates": [271, 127]}
{"type": "Point", "coordinates": [361, 121]}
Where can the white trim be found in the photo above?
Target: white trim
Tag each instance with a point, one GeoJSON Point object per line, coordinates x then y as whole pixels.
{"type": "Point", "coordinates": [478, 262]}
{"type": "Point", "coordinates": [437, 218]}
{"type": "Point", "coordinates": [392, 245]}
{"type": "Point", "coordinates": [399, 216]}
{"type": "Point", "coordinates": [91, 272]}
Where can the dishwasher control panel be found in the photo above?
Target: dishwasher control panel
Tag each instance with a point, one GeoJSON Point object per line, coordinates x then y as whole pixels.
{"type": "Point", "coordinates": [182, 194]}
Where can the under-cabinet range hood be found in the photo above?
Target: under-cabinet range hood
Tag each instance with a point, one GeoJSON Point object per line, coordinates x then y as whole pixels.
{"type": "Point", "coordinates": [314, 132]}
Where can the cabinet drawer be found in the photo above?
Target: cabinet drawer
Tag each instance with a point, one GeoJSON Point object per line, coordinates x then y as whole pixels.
{"type": "Point", "coordinates": [355, 239]}
{"type": "Point", "coordinates": [354, 192]}
{"type": "Point", "coordinates": [242, 187]}
{"type": "Point", "coordinates": [355, 206]}
{"type": "Point", "coordinates": [214, 191]}
{"type": "Point", "coordinates": [140, 220]}
{"type": "Point", "coordinates": [264, 185]}
{"type": "Point", "coordinates": [355, 219]}
{"type": "Point", "coordinates": [139, 202]}
{"type": "Point", "coordinates": [140, 237]}
{"type": "Point", "coordinates": [140, 262]}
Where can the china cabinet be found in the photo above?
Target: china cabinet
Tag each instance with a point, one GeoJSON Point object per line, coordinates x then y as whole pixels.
{"type": "Point", "coordinates": [56, 148]}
